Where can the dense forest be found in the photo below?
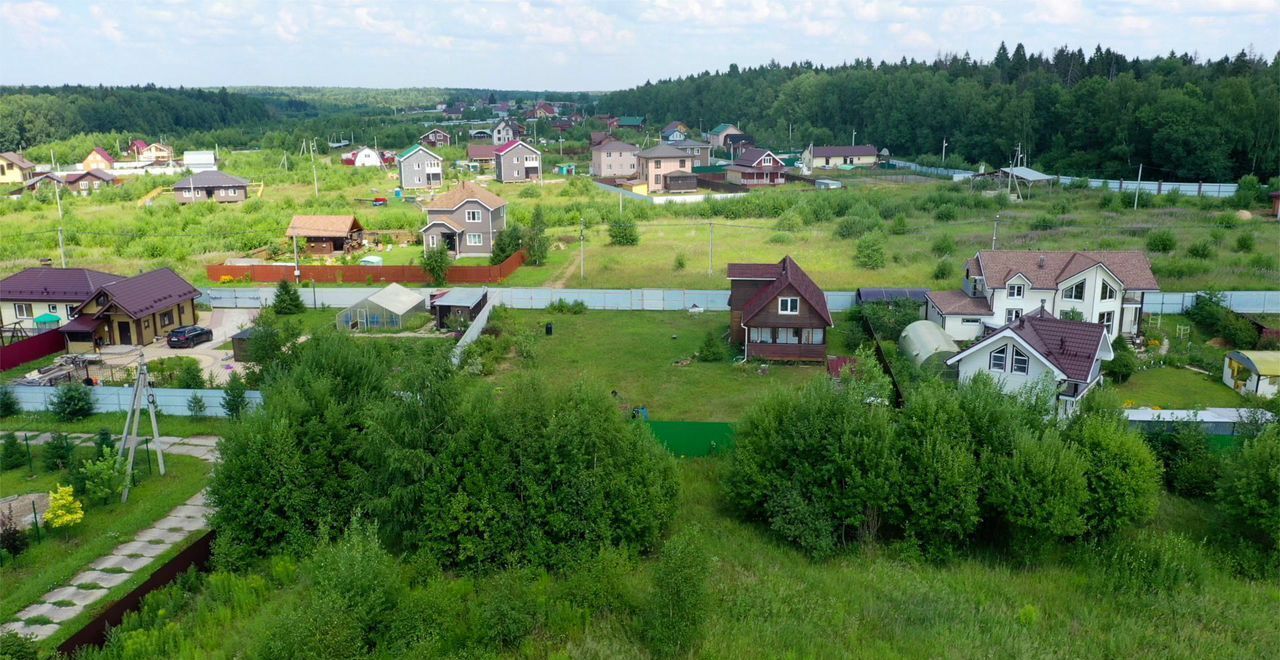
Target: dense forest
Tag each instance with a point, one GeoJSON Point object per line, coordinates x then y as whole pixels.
{"type": "Point", "coordinates": [1097, 115]}
{"type": "Point", "coordinates": [40, 115]}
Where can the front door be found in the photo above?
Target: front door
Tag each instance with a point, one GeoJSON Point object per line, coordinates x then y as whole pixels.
{"type": "Point", "coordinates": [124, 332]}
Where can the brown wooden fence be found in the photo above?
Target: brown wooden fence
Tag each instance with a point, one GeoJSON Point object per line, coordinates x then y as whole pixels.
{"type": "Point", "coordinates": [365, 274]}
{"type": "Point", "coordinates": [32, 348]}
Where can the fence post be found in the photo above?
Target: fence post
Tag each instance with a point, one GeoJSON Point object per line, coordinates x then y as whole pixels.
{"type": "Point", "coordinates": [1199, 189]}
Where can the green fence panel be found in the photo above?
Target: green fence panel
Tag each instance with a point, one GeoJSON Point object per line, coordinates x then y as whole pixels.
{"type": "Point", "coordinates": [693, 438]}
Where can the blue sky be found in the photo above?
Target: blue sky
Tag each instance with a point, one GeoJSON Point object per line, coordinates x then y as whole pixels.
{"type": "Point", "coordinates": [569, 44]}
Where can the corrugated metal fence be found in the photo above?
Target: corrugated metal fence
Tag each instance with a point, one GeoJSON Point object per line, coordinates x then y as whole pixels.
{"type": "Point", "coordinates": [119, 399]}
{"type": "Point", "coordinates": [1197, 189]}
{"type": "Point", "coordinates": [472, 333]}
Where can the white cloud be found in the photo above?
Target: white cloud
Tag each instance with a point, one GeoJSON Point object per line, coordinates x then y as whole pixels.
{"type": "Point", "coordinates": [32, 21]}
{"type": "Point", "coordinates": [1059, 12]}
{"type": "Point", "coordinates": [392, 27]}
{"type": "Point", "coordinates": [108, 26]}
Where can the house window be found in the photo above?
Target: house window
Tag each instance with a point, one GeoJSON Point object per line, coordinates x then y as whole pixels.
{"type": "Point", "coordinates": [1021, 365]}
{"type": "Point", "coordinates": [71, 312]}
{"type": "Point", "coordinates": [788, 335]}
{"type": "Point", "coordinates": [788, 305]}
{"type": "Point", "coordinates": [996, 359]}
{"type": "Point", "coordinates": [432, 241]}
{"type": "Point", "coordinates": [1074, 292]}
{"type": "Point", "coordinates": [1011, 315]}
{"type": "Point", "coordinates": [417, 166]}
{"type": "Point", "coordinates": [166, 318]}
{"type": "Point", "coordinates": [186, 193]}
{"type": "Point", "coordinates": [657, 164]}
{"type": "Point", "coordinates": [761, 335]}
{"type": "Point", "coordinates": [1015, 291]}
{"type": "Point", "coordinates": [1107, 292]}
{"type": "Point", "coordinates": [473, 216]}
{"type": "Point", "coordinates": [811, 336]}
{"type": "Point", "coordinates": [681, 162]}
{"type": "Point", "coordinates": [475, 239]}
{"type": "Point", "coordinates": [1106, 319]}
{"type": "Point", "coordinates": [766, 161]}
{"type": "Point", "coordinates": [53, 309]}
{"type": "Point", "coordinates": [23, 310]}
{"type": "Point", "coordinates": [970, 321]}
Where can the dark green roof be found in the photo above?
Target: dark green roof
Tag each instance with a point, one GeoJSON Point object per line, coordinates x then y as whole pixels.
{"type": "Point", "coordinates": [631, 121]}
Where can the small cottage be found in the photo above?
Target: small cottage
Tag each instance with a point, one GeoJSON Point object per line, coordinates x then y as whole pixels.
{"type": "Point", "coordinates": [777, 312]}
{"type": "Point", "coordinates": [456, 308]}
{"type": "Point", "coordinates": [756, 167]}
{"type": "Point", "coordinates": [327, 234]}
{"type": "Point", "coordinates": [98, 159]}
{"type": "Point", "coordinates": [132, 311]}
{"type": "Point", "coordinates": [435, 138]}
{"type": "Point", "coordinates": [211, 185]}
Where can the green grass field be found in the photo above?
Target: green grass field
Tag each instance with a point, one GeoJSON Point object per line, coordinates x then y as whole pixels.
{"type": "Point", "coordinates": [1176, 389]}
{"type": "Point", "coordinates": [171, 425]}
{"type": "Point", "coordinates": [636, 355]}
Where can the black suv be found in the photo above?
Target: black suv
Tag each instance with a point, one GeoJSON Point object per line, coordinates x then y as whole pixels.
{"type": "Point", "coordinates": [188, 336]}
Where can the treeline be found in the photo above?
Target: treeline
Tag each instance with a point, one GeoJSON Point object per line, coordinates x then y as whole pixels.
{"type": "Point", "coordinates": [39, 115]}
{"type": "Point", "coordinates": [1088, 115]}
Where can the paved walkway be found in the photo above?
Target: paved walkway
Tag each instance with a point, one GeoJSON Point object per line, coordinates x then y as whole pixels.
{"type": "Point", "coordinates": [45, 618]}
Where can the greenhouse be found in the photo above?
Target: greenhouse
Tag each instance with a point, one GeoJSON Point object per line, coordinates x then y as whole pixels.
{"type": "Point", "coordinates": [927, 344]}
{"type": "Point", "coordinates": [392, 308]}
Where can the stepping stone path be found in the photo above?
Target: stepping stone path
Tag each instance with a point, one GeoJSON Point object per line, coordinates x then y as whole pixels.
{"type": "Point", "coordinates": [45, 618]}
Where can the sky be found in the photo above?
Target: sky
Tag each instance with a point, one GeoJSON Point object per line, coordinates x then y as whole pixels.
{"type": "Point", "coordinates": [570, 44]}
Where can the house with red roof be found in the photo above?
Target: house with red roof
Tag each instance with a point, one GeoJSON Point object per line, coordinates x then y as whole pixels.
{"type": "Point", "coordinates": [777, 312]}
{"type": "Point", "coordinates": [98, 159]}
{"type": "Point", "coordinates": [517, 161]}
{"type": "Point", "coordinates": [543, 110]}
{"type": "Point", "coordinates": [1002, 285]}
{"type": "Point", "coordinates": [480, 154]}
{"type": "Point", "coordinates": [1037, 347]}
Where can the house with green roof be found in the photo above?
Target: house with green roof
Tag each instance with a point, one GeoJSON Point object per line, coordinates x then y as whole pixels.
{"type": "Point", "coordinates": [420, 168]}
{"type": "Point", "coordinates": [718, 135]}
{"type": "Point", "coordinates": [631, 122]}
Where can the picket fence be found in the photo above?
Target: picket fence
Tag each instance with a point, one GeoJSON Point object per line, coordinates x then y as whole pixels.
{"type": "Point", "coordinates": [107, 399]}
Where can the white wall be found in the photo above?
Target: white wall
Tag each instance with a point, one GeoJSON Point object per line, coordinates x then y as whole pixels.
{"type": "Point", "coordinates": [1009, 381]}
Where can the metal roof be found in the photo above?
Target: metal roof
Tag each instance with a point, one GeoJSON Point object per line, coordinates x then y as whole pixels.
{"type": "Point", "coordinates": [395, 299]}
{"type": "Point", "coordinates": [460, 297]}
{"type": "Point", "coordinates": [1027, 174]}
{"type": "Point", "coordinates": [1263, 363]}
{"type": "Point", "coordinates": [1231, 415]}
{"type": "Point", "coordinates": [882, 295]}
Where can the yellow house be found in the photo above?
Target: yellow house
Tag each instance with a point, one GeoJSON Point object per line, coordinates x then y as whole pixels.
{"type": "Point", "coordinates": [14, 168]}
{"type": "Point", "coordinates": [98, 159]}
{"type": "Point", "coordinates": [133, 311]}
{"type": "Point", "coordinates": [36, 298]}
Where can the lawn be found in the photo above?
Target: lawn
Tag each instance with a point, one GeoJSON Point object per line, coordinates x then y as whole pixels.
{"type": "Point", "coordinates": [170, 425]}
{"type": "Point", "coordinates": [1176, 389]}
{"type": "Point", "coordinates": [635, 354]}
{"type": "Point", "coordinates": [24, 369]}
{"type": "Point", "coordinates": [63, 553]}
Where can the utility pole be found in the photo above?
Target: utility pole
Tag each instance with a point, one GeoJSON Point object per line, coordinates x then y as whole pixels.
{"type": "Point", "coordinates": [994, 229]}
{"type": "Point", "coordinates": [297, 266]}
{"type": "Point", "coordinates": [944, 152]}
{"type": "Point", "coordinates": [315, 178]}
{"type": "Point", "coordinates": [62, 250]}
{"type": "Point", "coordinates": [853, 139]}
{"type": "Point", "coordinates": [1137, 188]}
{"type": "Point", "coordinates": [582, 249]}
{"type": "Point", "coordinates": [711, 251]}
{"type": "Point", "coordinates": [57, 194]}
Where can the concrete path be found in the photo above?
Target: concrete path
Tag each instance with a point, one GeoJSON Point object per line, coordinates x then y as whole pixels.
{"type": "Point", "coordinates": [45, 618]}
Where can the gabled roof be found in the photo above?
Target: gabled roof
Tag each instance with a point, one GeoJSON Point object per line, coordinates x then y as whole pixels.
{"type": "Point", "coordinates": [723, 128]}
{"type": "Point", "coordinates": [480, 151]}
{"type": "Point", "coordinates": [750, 158]}
{"type": "Point", "coordinates": [508, 146]}
{"type": "Point", "coordinates": [630, 121]}
{"type": "Point", "coordinates": [138, 145]}
{"type": "Point", "coordinates": [103, 153]}
{"type": "Point", "coordinates": [17, 160]}
{"type": "Point", "coordinates": [460, 195]}
{"type": "Point", "coordinates": [1046, 270]}
{"type": "Point", "coordinates": [662, 151]}
{"type": "Point", "coordinates": [851, 151]}
{"type": "Point", "coordinates": [1071, 347]}
{"type": "Point", "coordinates": [396, 299]}
{"type": "Point", "coordinates": [416, 148]}
{"type": "Point", "coordinates": [689, 144]}
{"type": "Point", "coordinates": [323, 226]}
{"type": "Point", "coordinates": [958, 302]}
{"type": "Point", "coordinates": [615, 145]}
{"type": "Point", "coordinates": [54, 284]}
{"type": "Point", "coordinates": [212, 179]}
{"type": "Point", "coordinates": [787, 274]}
{"type": "Point", "coordinates": [143, 294]}
{"type": "Point", "coordinates": [101, 175]}
{"type": "Point", "coordinates": [434, 130]}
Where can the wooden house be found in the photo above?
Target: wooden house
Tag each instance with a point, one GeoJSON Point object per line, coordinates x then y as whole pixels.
{"type": "Point", "coordinates": [756, 167]}
{"type": "Point", "coordinates": [98, 159]}
{"type": "Point", "coordinates": [14, 168]}
{"type": "Point", "coordinates": [327, 234]}
{"type": "Point", "coordinates": [133, 311]}
{"type": "Point", "coordinates": [211, 185]}
{"type": "Point", "coordinates": [435, 138]}
{"type": "Point", "coordinates": [517, 161]}
{"type": "Point", "coordinates": [777, 313]}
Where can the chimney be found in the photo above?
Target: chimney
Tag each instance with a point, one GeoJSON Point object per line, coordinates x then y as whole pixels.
{"type": "Point", "coordinates": [1040, 263]}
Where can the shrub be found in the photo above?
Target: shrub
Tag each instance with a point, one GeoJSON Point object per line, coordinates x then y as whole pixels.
{"type": "Point", "coordinates": [1124, 362]}
{"type": "Point", "coordinates": [196, 405]}
{"type": "Point", "coordinates": [1191, 469]}
{"type": "Point", "coordinates": [103, 478]}
{"type": "Point", "coordinates": [1071, 315]}
{"type": "Point", "coordinates": [713, 349]}
{"type": "Point", "coordinates": [103, 442]}
{"type": "Point", "coordinates": [58, 451]}
{"type": "Point", "coordinates": [623, 231]}
{"type": "Point", "coordinates": [562, 306]}
{"type": "Point", "coordinates": [9, 405]}
{"type": "Point", "coordinates": [943, 270]}
{"type": "Point", "coordinates": [235, 396]}
{"type": "Point", "coordinates": [1123, 475]}
{"type": "Point", "coordinates": [71, 402]}
{"type": "Point", "coordinates": [190, 375]}
{"type": "Point", "coordinates": [436, 264]}
{"type": "Point", "coordinates": [1249, 493]}
{"type": "Point", "coordinates": [12, 454]}
{"type": "Point", "coordinates": [943, 245]}
{"type": "Point", "coordinates": [899, 226]}
{"type": "Point", "coordinates": [508, 610]}
{"type": "Point", "coordinates": [1045, 223]}
{"type": "Point", "coordinates": [681, 597]}
{"type": "Point", "coordinates": [530, 192]}
{"type": "Point", "coordinates": [1238, 331]}
{"type": "Point", "coordinates": [18, 647]}
{"type": "Point", "coordinates": [13, 539]}
{"type": "Point", "coordinates": [64, 509]}
{"type": "Point", "coordinates": [1244, 243]}
{"type": "Point", "coordinates": [781, 239]}
{"type": "Point", "coordinates": [871, 251]}
{"type": "Point", "coordinates": [1200, 250]}
{"type": "Point", "coordinates": [1249, 192]}
{"type": "Point", "coordinates": [1151, 562]}
{"type": "Point", "coordinates": [287, 300]}
{"type": "Point", "coordinates": [1039, 490]}
{"type": "Point", "coordinates": [680, 262]}
{"type": "Point", "coordinates": [790, 221]}
{"type": "Point", "coordinates": [505, 244]}
{"type": "Point", "coordinates": [854, 227]}
{"type": "Point", "coordinates": [1162, 241]}
{"type": "Point", "coordinates": [946, 213]}
{"type": "Point", "coordinates": [939, 494]}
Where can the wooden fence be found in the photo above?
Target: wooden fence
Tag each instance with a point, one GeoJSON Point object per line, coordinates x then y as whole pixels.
{"type": "Point", "coordinates": [31, 348]}
{"type": "Point", "coordinates": [366, 274]}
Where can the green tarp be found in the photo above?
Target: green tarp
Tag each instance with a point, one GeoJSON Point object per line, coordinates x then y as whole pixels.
{"type": "Point", "coordinates": [694, 438]}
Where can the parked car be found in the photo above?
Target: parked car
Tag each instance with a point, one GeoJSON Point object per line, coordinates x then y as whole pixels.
{"type": "Point", "coordinates": [188, 336]}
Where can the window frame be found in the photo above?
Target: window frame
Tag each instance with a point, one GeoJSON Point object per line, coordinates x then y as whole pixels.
{"type": "Point", "coordinates": [1066, 293]}
{"type": "Point", "coordinates": [1003, 354]}
{"type": "Point", "coordinates": [1106, 288]}
{"type": "Point", "coordinates": [479, 216]}
{"type": "Point", "coordinates": [17, 310]}
{"type": "Point", "coordinates": [793, 304]}
{"type": "Point", "coordinates": [1022, 291]}
{"type": "Point", "coordinates": [1026, 363]}
{"type": "Point", "coordinates": [479, 239]}
{"type": "Point", "coordinates": [1110, 317]}
{"type": "Point", "coordinates": [1012, 314]}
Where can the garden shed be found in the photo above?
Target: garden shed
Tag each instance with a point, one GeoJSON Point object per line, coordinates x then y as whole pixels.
{"type": "Point", "coordinates": [392, 308]}
{"type": "Point", "coordinates": [927, 344]}
{"type": "Point", "coordinates": [1252, 372]}
{"type": "Point", "coordinates": [240, 344]}
{"type": "Point", "coordinates": [458, 307]}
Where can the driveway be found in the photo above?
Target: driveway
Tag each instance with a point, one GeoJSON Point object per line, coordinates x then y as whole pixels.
{"type": "Point", "coordinates": [215, 363]}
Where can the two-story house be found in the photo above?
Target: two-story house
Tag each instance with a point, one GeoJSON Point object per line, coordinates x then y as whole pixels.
{"type": "Point", "coordinates": [420, 168]}
{"type": "Point", "coordinates": [87, 183]}
{"type": "Point", "coordinates": [435, 137]}
{"type": "Point", "coordinates": [507, 130]}
{"type": "Point", "coordinates": [14, 168]}
{"type": "Point", "coordinates": [756, 167]}
{"type": "Point", "coordinates": [1002, 285]}
{"type": "Point", "coordinates": [465, 220]}
{"type": "Point", "coordinates": [699, 151]}
{"type": "Point", "coordinates": [517, 161]}
{"type": "Point", "coordinates": [614, 158]}
{"type": "Point", "coordinates": [132, 311]}
{"type": "Point", "coordinates": [777, 313]}
{"type": "Point", "coordinates": [675, 132]}
{"type": "Point", "coordinates": [51, 294]}
{"type": "Point", "coordinates": [858, 155]}
{"type": "Point", "coordinates": [98, 159]}
{"type": "Point", "coordinates": [718, 134]}
{"type": "Point", "coordinates": [666, 169]}
{"type": "Point", "coordinates": [151, 153]}
{"type": "Point", "coordinates": [1036, 346]}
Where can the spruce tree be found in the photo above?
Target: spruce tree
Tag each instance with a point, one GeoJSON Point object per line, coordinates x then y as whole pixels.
{"type": "Point", "coordinates": [288, 300]}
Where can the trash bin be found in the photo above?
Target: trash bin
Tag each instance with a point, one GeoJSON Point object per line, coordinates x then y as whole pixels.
{"type": "Point", "coordinates": [549, 329]}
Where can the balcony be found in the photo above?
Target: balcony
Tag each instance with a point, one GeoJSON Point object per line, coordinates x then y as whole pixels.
{"type": "Point", "coordinates": [787, 352]}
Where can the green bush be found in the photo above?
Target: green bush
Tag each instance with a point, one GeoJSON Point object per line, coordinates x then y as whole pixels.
{"type": "Point", "coordinates": [681, 597]}
{"type": "Point", "coordinates": [1200, 250]}
{"type": "Point", "coordinates": [1249, 492]}
{"type": "Point", "coordinates": [870, 251]}
{"type": "Point", "coordinates": [939, 494]}
{"type": "Point", "coordinates": [13, 542]}
{"type": "Point", "coordinates": [506, 243]}
{"type": "Point", "coordinates": [71, 402]}
{"type": "Point", "coordinates": [1151, 562]}
{"type": "Point", "coordinates": [58, 452]}
{"type": "Point", "coordinates": [623, 231]}
{"type": "Point", "coordinates": [943, 245]}
{"type": "Point", "coordinates": [946, 213]}
{"type": "Point", "coordinates": [436, 264]}
{"type": "Point", "coordinates": [1162, 241]}
{"type": "Point", "coordinates": [562, 306]}
{"type": "Point", "coordinates": [190, 375]}
{"type": "Point", "coordinates": [235, 396]}
{"type": "Point", "coordinates": [713, 348]}
{"type": "Point", "coordinates": [1239, 332]}
{"type": "Point", "coordinates": [943, 270]}
{"type": "Point", "coordinates": [12, 452]}
{"type": "Point", "coordinates": [1039, 490]}
{"type": "Point", "coordinates": [287, 300]}
{"type": "Point", "coordinates": [18, 647]}
{"type": "Point", "coordinates": [9, 405]}
{"type": "Point", "coordinates": [101, 478]}
{"type": "Point", "coordinates": [1123, 474]}
{"type": "Point", "coordinates": [103, 442]}
{"type": "Point", "coordinates": [1191, 469]}
{"type": "Point", "coordinates": [1124, 362]}
{"type": "Point", "coordinates": [1244, 243]}
{"type": "Point", "coordinates": [679, 262]}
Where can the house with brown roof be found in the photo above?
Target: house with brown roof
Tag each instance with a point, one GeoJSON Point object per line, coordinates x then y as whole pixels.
{"type": "Point", "coordinates": [98, 159]}
{"type": "Point", "coordinates": [481, 154]}
{"type": "Point", "coordinates": [756, 167]}
{"type": "Point", "coordinates": [777, 312]}
{"type": "Point", "coordinates": [132, 311]}
{"type": "Point", "coordinates": [506, 130]}
{"type": "Point", "coordinates": [465, 220]}
{"type": "Point", "coordinates": [435, 137]}
{"type": "Point", "coordinates": [14, 168]}
{"type": "Point", "coordinates": [517, 161]}
{"type": "Point", "coordinates": [1035, 347]}
{"type": "Point", "coordinates": [326, 234]}
{"type": "Point", "coordinates": [87, 183]}
{"type": "Point", "coordinates": [858, 155]}
{"type": "Point", "coordinates": [40, 292]}
{"type": "Point", "coordinates": [155, 153]}
{"type": "Point", "coordinates": [1002, 285]}
{"type": "Point", "coordinates": [666, 169]}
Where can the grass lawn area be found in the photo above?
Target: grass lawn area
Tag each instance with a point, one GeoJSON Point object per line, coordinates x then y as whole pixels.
{"type": "Point", "coordinates": [634, 353]}
{"type": "Point", "coordinates": [174, 425]}
{"type": "Point", "coordinates": [63, 553]}
{"type": "Point", "coordinates": [398, 256]}
{"type": "Point", "coordinates": [1177, 389]}
{"type": "Point", "coordinates": [24, 369]}
{"type": "Point", "coordinates": [536, 276]}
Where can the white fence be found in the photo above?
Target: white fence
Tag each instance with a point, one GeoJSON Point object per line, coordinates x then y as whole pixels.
{"type": "Point", "coordinates": [1197, 189]}
{"type": "Point", "coordinates": [472, 333]}
{"type": "Point", "coordinates": [118, 399]}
